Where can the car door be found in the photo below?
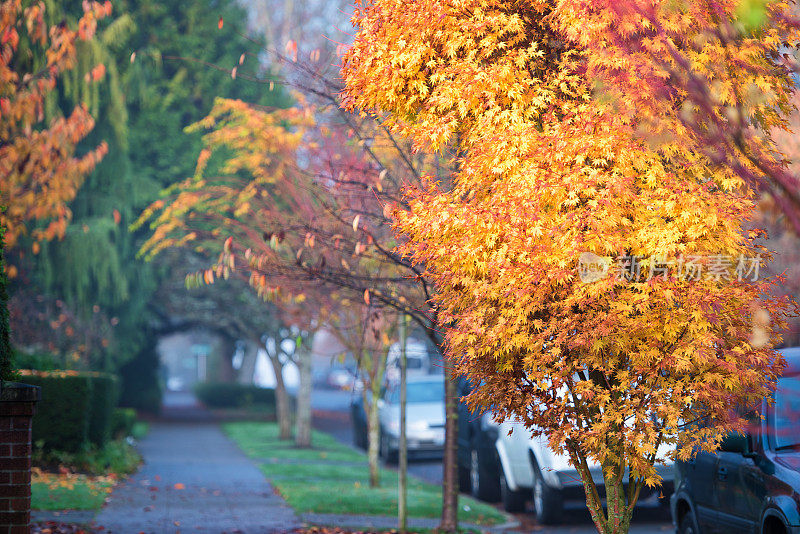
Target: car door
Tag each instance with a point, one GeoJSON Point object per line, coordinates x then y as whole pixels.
{"type": "Point", "coordinates": [701, 471]}
{"type": "Point", "coordinates": [734, 474]}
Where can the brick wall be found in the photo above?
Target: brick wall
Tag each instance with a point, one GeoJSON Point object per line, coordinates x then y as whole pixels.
{"type": "Point", "coordinates": [17, 405]}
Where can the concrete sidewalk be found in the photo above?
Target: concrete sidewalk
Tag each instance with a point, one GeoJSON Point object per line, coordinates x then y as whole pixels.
{"type": "Point", "coordinates": [194, 479]}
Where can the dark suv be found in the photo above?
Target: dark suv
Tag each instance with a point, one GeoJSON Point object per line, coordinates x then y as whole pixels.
{"type": "Point", "coordinates": [752, 484]}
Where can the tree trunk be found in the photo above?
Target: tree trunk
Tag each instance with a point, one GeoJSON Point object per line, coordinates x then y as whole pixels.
{"type": "Point", "coordinates": [375, 373]}
{"type": "Point", "coordinates": [248, 369]}
{"type": "Point", "coordinates": [282, 403]}
{"type": "Point", "coordinates": [227, 349]}
{"type": "Point", "coordinates": [402, 479]}
{"type": "Point", "coordinates": [449, 522]}
{"type": "Point", "coordinates": [616, 518]}
{"type": "Point", "coordinates": [449, 461]}
{"type": "Point", "coordinates": [373, 434]}
{"type": "Point", "coordinates": [303, 434]}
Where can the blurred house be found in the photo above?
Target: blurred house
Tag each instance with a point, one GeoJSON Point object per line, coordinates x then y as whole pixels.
{"type": "Point", "coordinates": [190, 357]}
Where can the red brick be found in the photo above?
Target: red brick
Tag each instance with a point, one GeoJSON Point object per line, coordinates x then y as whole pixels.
{"type": "Point", "coordinates": [16, 408]}
{"type": "Point", "coordinates": [6, 423]}
{"type": "Point", "coordinates": [18, 504]}
{"type": "Point", "coordinates": [19, 530]}
{"type": "Point", "coordinates": [21, 504]}
{"type": "Point", "coordinates": [21, 449]}
{"type": "Point", "coordinates": [20, 477]}
{"type": "Point", "coordinates": [16, 490]}
{"type": "Point", "coordinates": [21, 423]}
{"type": "Point", "coordinates": [5, 450]}
{"type": "Point", "coordinates": [14, 436]}
{"type": "Point", "coordinates": [5, 477]}
{"type": "Point", "coordinates": [15, 464]}
{"type": "Point", "coordinates": [15, 518]}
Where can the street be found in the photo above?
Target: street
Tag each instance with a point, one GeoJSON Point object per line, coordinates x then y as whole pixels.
{"type": "Point", "coordinates": [332, 415]}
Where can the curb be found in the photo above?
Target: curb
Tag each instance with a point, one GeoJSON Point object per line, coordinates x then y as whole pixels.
{"type": "Point", "coordinates": [389, 522]}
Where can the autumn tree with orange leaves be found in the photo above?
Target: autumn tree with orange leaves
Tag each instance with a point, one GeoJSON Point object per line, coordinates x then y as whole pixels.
{"type": "Point", "coordinates": [300, 199]}
{"type": "Point", "coordinates": [666, 323]}
{"type": "Point", "coordinates": [712, 75]}
{"type": "Point", "coordinates": [39, 172]}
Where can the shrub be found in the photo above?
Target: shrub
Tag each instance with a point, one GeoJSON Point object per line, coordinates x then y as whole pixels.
{"type": "Point", "coordinates": [103, 401]}
{"type": "Point", "coordinates": [140, 387]}
{"type": "Point", "coordinates": [122, 422]}
{"type": "Point", "coordinates": [76, 409]}
{"type": "Point", "coordinates": [225, 395]}
{"type": "Point", "coordinates": [61, 421]}
{"type": "Point", "coordinates": [115, 457]}
{"type": "Point", "coordinates": [40, 361]}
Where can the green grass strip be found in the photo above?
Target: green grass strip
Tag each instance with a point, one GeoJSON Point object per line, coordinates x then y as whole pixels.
{"type": "Point", "coordinates": [79, 495]}
{"type": "Point", "coordinates": [311, 481]}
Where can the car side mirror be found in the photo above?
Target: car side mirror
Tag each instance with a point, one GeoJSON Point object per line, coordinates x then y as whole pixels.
{"type": "Point", "coordinates": [735, 442]}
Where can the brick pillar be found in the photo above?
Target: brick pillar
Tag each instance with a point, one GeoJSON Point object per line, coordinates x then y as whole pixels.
{"type": "Point", "coordinates": [17, 404]}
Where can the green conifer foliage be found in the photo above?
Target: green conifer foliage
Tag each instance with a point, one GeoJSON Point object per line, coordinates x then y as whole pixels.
{"type": "Point", "coordinates": [165, 63]}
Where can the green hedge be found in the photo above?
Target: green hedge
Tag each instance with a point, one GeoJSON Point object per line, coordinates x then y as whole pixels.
{"type": "Point", "coordinates": [122, 421]}
{"type": "Point", "coordinates": [226, 395]}
{"type": "Point", "coordinates": [40, 361]}
{"type": "Point", "coordinates": [76, 409]}
{"type": "Point", "coordinates": [105, 393]}
{"type": "Point", "coordinates": [139, 382]}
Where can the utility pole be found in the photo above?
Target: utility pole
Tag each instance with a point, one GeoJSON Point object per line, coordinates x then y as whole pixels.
{"type": "Point", "coordinates": [402, 478]}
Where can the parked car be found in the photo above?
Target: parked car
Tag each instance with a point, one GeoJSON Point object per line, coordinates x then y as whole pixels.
{"type": "Point", "coordinates": [495, 466]}
{"type": "Point", "coordinates": [530, 469]}
{"type": "Point", "coordinates": [752, 484]}
{"type": "Point", "coordinates": [340, 376]}
{"type": "Point", "coordinates": [418, 361]}
{"type": "Point", "coordinates": [424, 417]}
{"type": "Point", "coordinates": [358, 417]}
{"type": "Point", "coordinates": [478, 464]}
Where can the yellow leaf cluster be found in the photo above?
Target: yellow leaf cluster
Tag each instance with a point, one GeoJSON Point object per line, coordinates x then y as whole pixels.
{"type": "Point", "coordinates": [552, 165]}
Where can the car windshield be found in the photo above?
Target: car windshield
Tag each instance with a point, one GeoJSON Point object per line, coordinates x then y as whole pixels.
{"type": "Point", "coordinates": [418, 392]}
{"type": "Point", "coordinates": [787, 413]}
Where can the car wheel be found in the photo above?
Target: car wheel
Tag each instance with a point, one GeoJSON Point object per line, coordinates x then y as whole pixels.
{"type": "Point", "coordinates": [513, 501]}
{"type": "Point", "coordinates": [484, 478]}
{"type": "Point", "coordinates": [687, 524]}
{"type": "Point", "coordinates": [547, 502]}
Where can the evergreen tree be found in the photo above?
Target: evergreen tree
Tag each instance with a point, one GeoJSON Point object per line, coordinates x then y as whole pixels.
{"type": "Point", "coordinates": [165, 64]}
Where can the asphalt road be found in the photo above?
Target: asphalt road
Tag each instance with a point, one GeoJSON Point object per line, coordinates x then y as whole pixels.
{"type": "Point", "coordinates": [332, 415]}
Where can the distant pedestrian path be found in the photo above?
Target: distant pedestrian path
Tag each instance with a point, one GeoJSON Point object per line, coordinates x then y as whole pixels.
{"type": "Point", "coordinates": [194, 479]}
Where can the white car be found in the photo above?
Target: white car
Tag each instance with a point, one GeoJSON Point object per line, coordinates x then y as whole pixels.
{"type": "Point", "coordinates": [530, 469]}
{"type": "Point", "coordinates": [424, 417]}
{"type": "Point", "coordinates": [418, 362]}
